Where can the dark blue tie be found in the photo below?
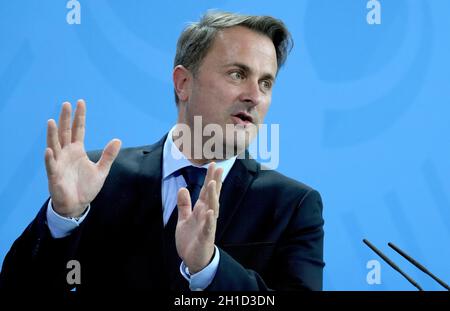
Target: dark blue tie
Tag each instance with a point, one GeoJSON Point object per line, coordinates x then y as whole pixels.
{"type": "Point", "coordinates": [194, 177]}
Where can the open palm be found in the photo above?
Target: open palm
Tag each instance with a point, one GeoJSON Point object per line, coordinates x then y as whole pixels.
{"type": "Point", "coordinates": [195, 232]}
{"type": "Point", "coordinates": [74, 180]}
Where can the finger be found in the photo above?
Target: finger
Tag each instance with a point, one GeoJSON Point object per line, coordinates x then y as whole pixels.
{"type": "Point", "coordinates": [52, 138]}
{"type": "Point", "coordinates": [201, 206]}
{"type": "Point", "coordinates": [79, 122]}
{"type": "Point", "coordinates": [64, 130]}
{"type": "Point", "coordinates": [213, 203]}
{"type": "Point", "coordinates": [209, 225]}
{"type": "Point", "coordinates": [184, 204]}
{"type": "Point", "coordinates": [109, 155]}
{"type": "Point", "coordinates": [50, 162]}
{"type": "Point", "coordinates": [218, 178]}
{"type": "Point", "coordinates": [208, 178]}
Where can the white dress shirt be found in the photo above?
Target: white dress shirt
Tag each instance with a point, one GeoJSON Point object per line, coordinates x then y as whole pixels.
{"type": "Point", "coordinates": [173, 160]}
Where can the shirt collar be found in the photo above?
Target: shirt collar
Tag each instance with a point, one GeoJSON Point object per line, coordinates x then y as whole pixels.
{"type": "Point", "coordinates": [174, 159]}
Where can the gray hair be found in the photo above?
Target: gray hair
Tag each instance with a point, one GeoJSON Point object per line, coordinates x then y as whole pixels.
{"type": "Point", "coordinates": [197, 38]}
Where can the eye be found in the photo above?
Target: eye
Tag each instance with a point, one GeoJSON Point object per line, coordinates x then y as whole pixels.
{"type": "Point", "coordinates": [266, 84]}
{"type": "Point", "coordinates": [236, 75]}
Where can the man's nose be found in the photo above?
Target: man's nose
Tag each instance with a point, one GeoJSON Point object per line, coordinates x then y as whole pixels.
{"type": "Point", "coordinates": [251, 94]}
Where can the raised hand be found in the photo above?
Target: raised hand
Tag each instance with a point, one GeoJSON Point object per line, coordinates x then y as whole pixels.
{"type": "Point", "coordinates": [74, 180]}
{"type": "Point", "coordinates": [196, 228]}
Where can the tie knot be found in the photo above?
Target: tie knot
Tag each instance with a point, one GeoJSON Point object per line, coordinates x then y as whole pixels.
{"type": "Point", "coordinates": [194, 176]}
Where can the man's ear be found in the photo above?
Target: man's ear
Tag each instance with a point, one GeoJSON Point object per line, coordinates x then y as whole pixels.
{"type": "Point", "coordinates": [182, 82]}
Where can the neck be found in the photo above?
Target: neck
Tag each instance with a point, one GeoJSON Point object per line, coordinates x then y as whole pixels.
{"type": "Point", "coordinates": [179, 136]}
{"type": "Point", "coordinates": [191, 145]}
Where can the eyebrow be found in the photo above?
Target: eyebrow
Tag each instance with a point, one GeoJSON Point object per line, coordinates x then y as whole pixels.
{"type": "Point", "coordinates": [247, 69]}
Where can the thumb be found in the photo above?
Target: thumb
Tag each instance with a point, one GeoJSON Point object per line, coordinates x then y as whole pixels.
{"type": "Point", "coordinates": [184, 204]}
{"type": "Point", "coordinates": [109, 155]}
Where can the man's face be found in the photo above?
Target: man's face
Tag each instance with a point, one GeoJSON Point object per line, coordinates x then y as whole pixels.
{"type": "Point", "coordinates": [233, 84]}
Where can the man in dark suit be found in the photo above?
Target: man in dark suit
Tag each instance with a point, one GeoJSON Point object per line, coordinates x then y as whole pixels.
{"type": "Point", "coordinates": [157, 217]}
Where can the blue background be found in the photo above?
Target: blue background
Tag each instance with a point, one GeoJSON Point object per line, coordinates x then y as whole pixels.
{"type": "Point", "coordinates": [363, 112]}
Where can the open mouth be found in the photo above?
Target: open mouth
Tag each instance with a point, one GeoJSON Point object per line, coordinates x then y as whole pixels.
{"type": "Point", "coordinates": [242, 118]}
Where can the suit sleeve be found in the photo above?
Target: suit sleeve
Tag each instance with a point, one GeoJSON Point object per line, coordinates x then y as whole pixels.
{"type": "Point", "coordinates": [297, 263]}
{"type": "Point", "coordinates": [36, 260]}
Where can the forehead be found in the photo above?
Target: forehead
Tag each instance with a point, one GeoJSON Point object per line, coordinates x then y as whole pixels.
{"type": "Point", "coordinates": [242, 45]}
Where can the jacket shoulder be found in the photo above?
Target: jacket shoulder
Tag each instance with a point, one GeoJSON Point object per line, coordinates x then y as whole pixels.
{"type": "Point", "coordinates": [282, 186]}
{"type": "Point", "coordinates": [128, 158]}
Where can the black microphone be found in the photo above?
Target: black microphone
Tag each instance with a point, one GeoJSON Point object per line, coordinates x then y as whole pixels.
{"type": "Point", "coordinates": [418, 265]}
{"type": "Point", "coordinates": [392, 264]}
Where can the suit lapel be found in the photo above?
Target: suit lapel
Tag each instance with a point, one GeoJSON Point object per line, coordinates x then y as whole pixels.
{"type": "Point", "coordinates": [150, 180]}
{"type": "Point", "coordinates": [233, 190]}
{"type": "Point", "coordinates": [150, 184]}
